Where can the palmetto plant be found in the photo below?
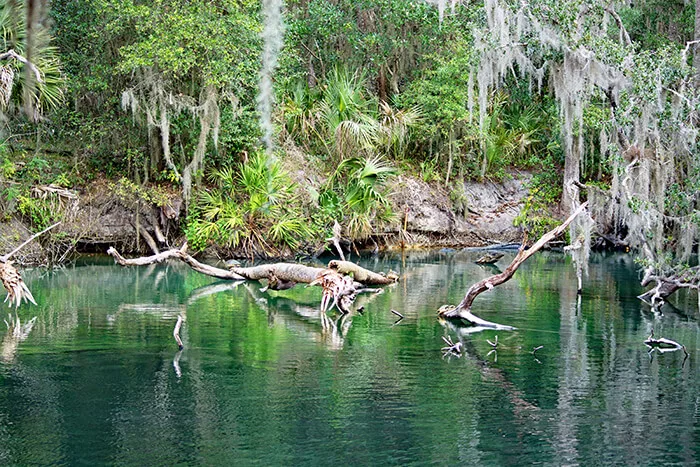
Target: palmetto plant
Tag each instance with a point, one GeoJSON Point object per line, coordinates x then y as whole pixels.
{"type": "Point", "coordinates": [37, 85]}
{"type": "Point", "coordinates": [345, 114]}
{"type": "Point", "coordinates": [365, 201]}
{"type": "Point", "coordinates": [253, 207]}
{"type": "Point", "coordinates": [394, 127]}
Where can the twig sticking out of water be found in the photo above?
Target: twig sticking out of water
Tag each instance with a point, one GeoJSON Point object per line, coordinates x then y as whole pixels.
{"type": "Point", "coordinates": [664, 345]}
{"type": "Point", "coordinates": [176, 332]}
{"type": "Point", "coordinates": [534, 353]}
{"type": "Point", "coordinates": [493, 344]}
{"type": "Point", "coordinates": [452, 347]}
{"type": "Point", "coordinates": [397, 314]}
{"type": "Point", "coordinates": [495, 354]}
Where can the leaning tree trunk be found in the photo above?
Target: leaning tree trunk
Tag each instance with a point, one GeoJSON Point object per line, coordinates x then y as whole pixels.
{"type": "Point", "coordinates": [463, 310]}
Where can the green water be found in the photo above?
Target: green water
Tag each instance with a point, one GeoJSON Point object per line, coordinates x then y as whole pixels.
{"type": "Point", "coordinates": [98, 380]}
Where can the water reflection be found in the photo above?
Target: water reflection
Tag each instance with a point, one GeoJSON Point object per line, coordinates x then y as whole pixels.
{"type": "Point", "coordinates": [16, 333]}
{"type": "Point", "coordinates": [265, 378]}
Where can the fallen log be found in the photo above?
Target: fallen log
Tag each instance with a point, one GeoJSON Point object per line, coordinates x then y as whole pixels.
{"type": "Point", "coordinates": [360, 274]}
{"type": "Point", "coordinates": [288, 272]}
{"type": "Point", "coordinates": [342, 281]}
{"type": "Point", "coordinates": [463, 310]}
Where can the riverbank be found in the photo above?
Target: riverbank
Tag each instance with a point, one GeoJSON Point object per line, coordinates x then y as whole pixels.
{"type": "Point", "coordinates": [428, 215]}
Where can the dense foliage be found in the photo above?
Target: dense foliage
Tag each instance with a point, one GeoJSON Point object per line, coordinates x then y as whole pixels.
{"type": "Point", "coordinates": [164, 92]}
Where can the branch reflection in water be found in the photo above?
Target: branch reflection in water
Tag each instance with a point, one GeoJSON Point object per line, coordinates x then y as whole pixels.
{"type": "Point", "coordinates": [16, 333]}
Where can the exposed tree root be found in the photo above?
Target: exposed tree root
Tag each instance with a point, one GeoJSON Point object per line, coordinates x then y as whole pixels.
{"type": "Point", "coordinates": [463, 310]}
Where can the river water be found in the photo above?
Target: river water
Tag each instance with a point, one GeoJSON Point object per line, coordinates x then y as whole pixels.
{"type": "Point", "coordinates": [263, 380]}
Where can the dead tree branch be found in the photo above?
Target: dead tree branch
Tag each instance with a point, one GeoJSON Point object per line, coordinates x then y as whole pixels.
{"type": "Point", "coordinates": [667, 285]}
{"type": "Point", "coordinates": [143, 261]}
{"type": "Point", "coordinates": [176, 332]}
{"type": "Point", "coordinates": [6, 258]}
{"type": "Point", "coordinates": [463, 310]}
{"type": "Point", "coordinates": [17, 290]}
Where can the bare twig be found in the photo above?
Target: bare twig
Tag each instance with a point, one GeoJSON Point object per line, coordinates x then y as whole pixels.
{"type": "Point", "coordinates": [493, 344]}
{"type": "Point", "coordinates": [452, 347]}
{"type": "Point", "coordinates": [397, 314]}
{"type": "Point", "coordinates": [12, 54]}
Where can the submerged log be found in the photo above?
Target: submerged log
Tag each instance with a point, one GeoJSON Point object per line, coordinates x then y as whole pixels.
{"type": "Point", "coordinates": [489, 258]}
{"type": "Point", "coordinates": [339, 288]}
{"type": "Point", "coordinates": [463, 310]}
{"type": "Point", "coordinates": [662, 343]}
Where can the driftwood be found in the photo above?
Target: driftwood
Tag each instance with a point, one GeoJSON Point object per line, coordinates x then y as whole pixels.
{"type": "Point", "coordinates": [176, 332]}
{"type": "Point", "coordinates": [361, 274]}
{"type": "Point", "coordinates": [143, 261]}
{"type": "Point", "coordinates": [662, 343]}
{"type": "Point", "coordinates": [463, 310]}
{"type": "Point", "coordinates": [489, 258]}
{"type": "Point", "coordinates": [342, 281]}
{"type": "Point", "coordinates": [667, 285]}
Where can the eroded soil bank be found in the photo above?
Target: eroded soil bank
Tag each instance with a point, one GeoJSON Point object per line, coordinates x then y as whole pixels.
{"type": "Point", "coordinates": [99, 217]}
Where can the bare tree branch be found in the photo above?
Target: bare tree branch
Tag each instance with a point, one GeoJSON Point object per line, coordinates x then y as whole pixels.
{"type": "Point", "coordinates": [463, 310]}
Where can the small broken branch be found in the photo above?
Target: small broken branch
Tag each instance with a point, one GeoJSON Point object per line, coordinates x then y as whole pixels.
{"type": "Point", "coordinates": [493, 344]}
{"type": "Point", "coordinates": [12, 54]}
{"type": "Point", "coordinates": [397, 314]}
{"type": "Point", "coordinates": [452, 347]}
{"type": "Point", "coordinates": [463, 310]}
{"type": "Point", "coordinates": [663, 344]}
{"type": "Point", "coordinates": [335, 239]}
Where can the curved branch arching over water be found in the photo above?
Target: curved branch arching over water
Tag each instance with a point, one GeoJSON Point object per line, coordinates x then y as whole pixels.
{"type": "Point", "coordinates": [463, 310]}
